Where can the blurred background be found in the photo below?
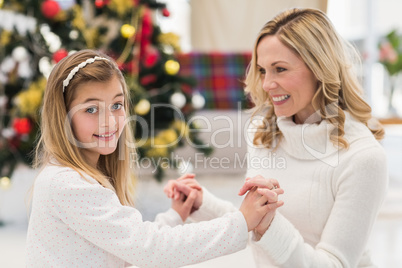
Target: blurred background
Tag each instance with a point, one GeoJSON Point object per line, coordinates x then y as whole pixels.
{"type": "Point", "coordinates": [184, 61]}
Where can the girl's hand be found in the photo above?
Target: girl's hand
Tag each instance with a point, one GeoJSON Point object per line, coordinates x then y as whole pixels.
{"type": "Point", "coordinates": [184, 185]}
{"type": "Point", "coordinates": [184, 204]}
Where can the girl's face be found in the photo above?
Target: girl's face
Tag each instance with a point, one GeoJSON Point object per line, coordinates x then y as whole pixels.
{"type": "Point", "coordinates": [286, 78]}
{"type": "Point", "coordinates": [97, 117]}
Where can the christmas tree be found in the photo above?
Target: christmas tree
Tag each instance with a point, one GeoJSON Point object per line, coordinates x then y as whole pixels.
{"type": "Point", "coordinates": [35, 35]}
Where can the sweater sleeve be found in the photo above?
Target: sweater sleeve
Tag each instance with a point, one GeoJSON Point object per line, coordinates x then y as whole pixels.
{"type": "Point", "coordinates": [212, 207]}
{"type": "Point", "coordinates": [170, 218]}
{"type": "Point", "coordinates": [95, 214]}
{"type": "Point", "coordinates": [360, 189]}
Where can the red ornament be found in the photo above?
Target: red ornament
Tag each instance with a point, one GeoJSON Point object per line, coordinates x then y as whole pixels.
{"type": "Point", "coordinates": [50, 9]}
{"type": "Point", "coordinates": [22, 125]}
{"type": "Point", "coordinates": [151, 56]}
{"type": "Point", "coordinates": [148, 79]}
{"type": "Point", "coordinates": [99, 3]}
{"type": "Point", "coordinates": [165, 12]}
{"type": "Point", "coordinates": [59, 55]}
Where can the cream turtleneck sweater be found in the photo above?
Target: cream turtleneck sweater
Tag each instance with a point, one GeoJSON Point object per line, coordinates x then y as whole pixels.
{"type": "Point", "coordinates": [332, 197]}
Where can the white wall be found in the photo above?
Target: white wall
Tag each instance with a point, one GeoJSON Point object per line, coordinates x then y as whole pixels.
{"type": "Point", "coordinates": [232, 25]}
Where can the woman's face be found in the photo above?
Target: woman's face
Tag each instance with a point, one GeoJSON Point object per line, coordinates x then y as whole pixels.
{"type": "Point", "coordinates": [97, 117]}
{"type": "Point", "coordinates": [286, 78]}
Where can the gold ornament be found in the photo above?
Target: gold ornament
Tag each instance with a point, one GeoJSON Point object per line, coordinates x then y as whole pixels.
{"type": "Point", "coordinates": [169, 135]}
{"type": "Point", "coordinates": [181, 127]}
{"type": "Point", "coordinates": [127, 31]}
{"type": "Point", "coordinates": [5, 183]}
{"type": "Point", "coordinates": [122, 7]}
{"type": "Point", "coordinates": [142, 107]}
{"type": "Point", "coordinates": [170, 39]}
{"type": "Point", "coordinates": [5, 37]}
{"type": "Point", "coordinates": [172, 67]}
{"type": "Point", "coordinates": [28, 101]}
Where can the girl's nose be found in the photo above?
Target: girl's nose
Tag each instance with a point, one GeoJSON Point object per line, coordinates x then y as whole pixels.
{"type": "Point", "coordinates": [108, 119]}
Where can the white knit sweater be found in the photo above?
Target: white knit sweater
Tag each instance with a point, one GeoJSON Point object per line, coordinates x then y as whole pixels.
{"type": "Point", "coordinates": [332, 197]}
{"type": "Point", "coordinates": [75, 222]}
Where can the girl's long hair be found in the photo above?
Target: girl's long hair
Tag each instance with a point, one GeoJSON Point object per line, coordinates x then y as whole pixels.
{"type": "Point", "coordinates": [310, 34]}
{"type": "Point", "coordinates": [57, 140]}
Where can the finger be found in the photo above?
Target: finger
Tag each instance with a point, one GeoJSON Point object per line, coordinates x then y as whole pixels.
{"type": "Point", "coordinates": [188, 204]}
{"type": "Point", "coordinates": [176, 194]}
{"type": "Point", "coordinates": [186, 176]}
{"type": "Point", "coordinates": [271, 196]}
{"type": "Point", "coordinates": [256, 181]}
{"type": "Point", "coordinates": [275, 183]}
{"type": "Point", "coordinates": [168, 189]}
{"type": "Point", "coordinates": [279, 191]}
{"type": "Point", "coordinates": [272, 206]}
{"type": "Point", "coordinates": [192, 183]}
{"type": "Point", "coordinates": [185, 189]}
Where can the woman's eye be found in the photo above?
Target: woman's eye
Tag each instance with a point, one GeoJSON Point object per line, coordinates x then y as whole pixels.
{"type": "Point", "coordinates": [117, 106]}
{"type": "Point", "coordinates": [262, 71]}
{"type": "Point", "coordinates": [280, 69]}
{"type": "Point", "coordinates": [92, 110]}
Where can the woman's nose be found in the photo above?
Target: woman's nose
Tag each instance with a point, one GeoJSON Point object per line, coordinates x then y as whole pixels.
{"type": "Point", "coordinates": [269, 83]}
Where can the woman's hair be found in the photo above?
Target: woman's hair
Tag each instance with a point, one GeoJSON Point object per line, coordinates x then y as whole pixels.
{"type": "Point", "coordinates": [57, 139]}
{"type": "Point", "coordinates": [310, 34]}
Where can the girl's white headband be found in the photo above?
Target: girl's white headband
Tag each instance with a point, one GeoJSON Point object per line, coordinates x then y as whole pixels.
{"type": "Point", "coordinates": [78, 67]}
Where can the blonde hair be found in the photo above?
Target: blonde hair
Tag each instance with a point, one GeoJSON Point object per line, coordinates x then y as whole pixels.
{"type": "Point", "coordinates": [310, 34]}
{"type": "Point", "coordinates": [57, 140]}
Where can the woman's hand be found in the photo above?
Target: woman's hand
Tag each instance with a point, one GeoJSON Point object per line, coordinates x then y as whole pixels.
{"type": "Point", "coordinates": [270, 189]}
{"type": "Point", "coordinates": [263, 226]}
{"type": "Point", "coordinates": [260, 182]}
{"type": "Point", "coordinates": [255, 206]}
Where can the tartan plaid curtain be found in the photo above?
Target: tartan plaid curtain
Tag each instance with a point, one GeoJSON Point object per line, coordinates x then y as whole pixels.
{"type": "Point", "coordinates": [219, 77]}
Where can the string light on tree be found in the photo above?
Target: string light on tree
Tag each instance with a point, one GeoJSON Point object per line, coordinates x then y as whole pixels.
{"type": "Point", "coordinates": [198, 101]}
{"type": "Point", "coordinates": [74, 34]}
{"type": "Point", "coordinates": [178, 100]}
{"type": "Point", "coordinates": [5, 183]}
{"type": "Point", "coordinates": [20, 54]}
{"type": "Point", "coordinates": [66, 4]}
{"type": "Point", "coordinates": [142, 107]}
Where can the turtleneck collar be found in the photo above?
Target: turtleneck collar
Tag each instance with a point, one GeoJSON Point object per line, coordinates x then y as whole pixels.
{"type": "Point", "coordinates": [311, 141]}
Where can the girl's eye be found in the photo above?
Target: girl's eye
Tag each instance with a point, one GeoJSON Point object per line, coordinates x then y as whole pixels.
{"type": "Point", "coordinates": [262, 71]}
{"type": "Point", "coordinates": [117, 106]}
{"type": "Point", "coordinates": [92, 110]}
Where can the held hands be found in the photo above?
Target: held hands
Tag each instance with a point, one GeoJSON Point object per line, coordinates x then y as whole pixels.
{"type": "Point", "coordinates": [260, 204]}
{"type": "Point", "coordinates": [258, 207]}
{"type": "Point", "coordinates": [186, 195]}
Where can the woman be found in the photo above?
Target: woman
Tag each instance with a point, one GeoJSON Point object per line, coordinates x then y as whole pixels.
{"type": "Point", "coordinates": [313, 115]}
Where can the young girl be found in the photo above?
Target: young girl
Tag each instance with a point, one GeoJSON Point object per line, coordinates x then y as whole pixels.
{"type": "Point", "coordinates": [82, 208]}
